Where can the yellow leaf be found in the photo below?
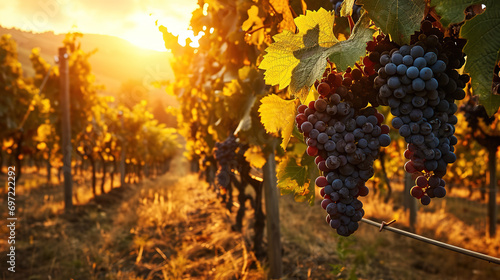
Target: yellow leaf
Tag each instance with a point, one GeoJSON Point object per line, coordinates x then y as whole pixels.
{"type": "Point", "coordinates": [253, 18]}
{"type": "Point", "coordinates": [41, 146]}
{"type": "Point", "coordinates": [282, 7]}
{"type": "Point", "coordinates": [43, 132]}
{"type": "Point", "coordinates": [308, 47]}
{"type": "Point", "coordinates": [107, 137]}
{"type": "Point", "coordinates": [346, 8]}
{"type": "Point", "coordinates": [255, 157]}
{"type": "Point", "coordinates": [253, 22]}
{"type": "Point", "coordinates": [8, 142]}
{"type": "Point", "coordinates": [278, 116]}
{"type": "Point", "coordinates": [311, 96]}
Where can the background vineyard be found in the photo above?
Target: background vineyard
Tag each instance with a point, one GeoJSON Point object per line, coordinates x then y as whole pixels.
{"type": "Point", "coordinates": [180, 210]}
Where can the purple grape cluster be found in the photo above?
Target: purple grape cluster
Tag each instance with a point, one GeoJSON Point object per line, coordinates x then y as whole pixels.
{"type": "Point", "coordinates": [225, 154]}
{"type": "Point", "coordinates": [420, 84]}
{"type": "Point", "coordinates": [345, 140]}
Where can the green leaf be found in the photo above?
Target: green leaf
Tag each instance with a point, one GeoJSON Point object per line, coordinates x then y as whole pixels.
{"type": "Point", "coordinates": [452, 11]}
{"type": "Point", "coordinates": [346, 53]}
{"type": "Point", "coordinates": [298, 179]}
{"type": "Point", "coordinates": [398, 18]}
{"type": "Point", "coordinates": [482, 49]}
{"type": "Point", "coordinates": [307, 47]}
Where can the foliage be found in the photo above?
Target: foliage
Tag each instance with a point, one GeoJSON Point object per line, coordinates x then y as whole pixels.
{"type": "Point", "coordinates": [482, 49]}
{"type": "Point", "coordinates": [452, 11]}
{"type": "Point", "coordinates": [271, 112]}
{"type": "Point", "coordinates": [299, 59]}
{"type": "Point", "coordinates": [296, 174]}
{"type": "Point", "coordinates": [398, 18]}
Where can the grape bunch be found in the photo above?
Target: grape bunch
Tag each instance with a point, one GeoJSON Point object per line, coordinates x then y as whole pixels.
{"type": "Point", "coordinates": [345, 135]}
{"type": "Point", "coordinates": [420, 84]}
{"type": "Point", "coordinates": [225, 154]}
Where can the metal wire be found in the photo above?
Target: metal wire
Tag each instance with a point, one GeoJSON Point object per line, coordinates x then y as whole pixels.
{"type": "Point", "coordinates": [434, 242]}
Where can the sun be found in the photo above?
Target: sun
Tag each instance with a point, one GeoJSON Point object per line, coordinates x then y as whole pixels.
{"type": "Point", "coordinates": [145, 33]}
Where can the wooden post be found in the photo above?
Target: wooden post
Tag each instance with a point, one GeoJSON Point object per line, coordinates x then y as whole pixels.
{"type": "Point", "coordinates": [66, 128]}
{"type": "Point", "coordinates": [410, 202]}
{"type": "Point", "coordinates": [272, 218]}
{"type": "Point", "coordinates": [492, 205]}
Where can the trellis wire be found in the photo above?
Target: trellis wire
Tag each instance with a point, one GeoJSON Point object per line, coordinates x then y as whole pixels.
{"type": "Point", "coordinates": [434, 242]}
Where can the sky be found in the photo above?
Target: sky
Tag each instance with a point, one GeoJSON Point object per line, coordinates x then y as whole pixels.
{"type": "Point", "coordinates": [133, 20]}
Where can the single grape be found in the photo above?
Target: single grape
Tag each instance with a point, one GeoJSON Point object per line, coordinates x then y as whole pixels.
{"type": "Point", "coordinates": [390, 69]}
{"type": "Point", "coordinates": [426, 73]}
{"type": "Point", "coordinates": [418, 84]}
{"type": "Point", "coordinates": [417, 51]}
{"type": "Point", "coordinates": [412, 72]}
{"type": "Point", "coordinates": [419, 62]}
{"type": "Point", "coordinates": [425, 200]}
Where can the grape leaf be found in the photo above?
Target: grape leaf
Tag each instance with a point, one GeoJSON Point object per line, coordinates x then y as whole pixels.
{"type": "Point", "coordinates": [307, 48]}
{"type": "Point", "coordinates": [398, 18]}
{"type": "Point", "coordinates": [297, 179]}
{"type": "Point", "coordinates": [299, 59]}
{"type": "Point", "coordinates": [255, 156]}
{"type": "Point", "coordinates": [452, 11]}
{"type": "Point", "coordinates": [346, 53]}
{"type": "Point", "coordinates": [254, 21]}
{"type": "Point", "coordinates": [346, 7]}
{"type": "Point", "coordinates": [278, 116]}
{"type": "Point", "coordinates": [482, 49]}
{"type": "Point", "coordinates": [282, 7]}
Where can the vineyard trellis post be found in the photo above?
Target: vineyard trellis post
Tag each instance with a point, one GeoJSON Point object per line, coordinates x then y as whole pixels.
{"type": "Point", "coordinates": [408, 201]}
{"type": "Point", "coordinates": [66, 127]}
{"type": "Point", "coordinates": [272, 217]}
{"type": "Point", "coordinates": [492, 204]}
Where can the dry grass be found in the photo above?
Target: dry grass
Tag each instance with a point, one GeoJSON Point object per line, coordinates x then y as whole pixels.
{"type": "Point", "coordinates": [170, 228]}
{"type": "Point", "coordinates": [175, 228]}
{"type": "Point", "coordinates": [317, 252]}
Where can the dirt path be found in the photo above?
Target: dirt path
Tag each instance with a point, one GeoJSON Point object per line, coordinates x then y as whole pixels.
{"type": "Point", "coordinates": [169, 228]}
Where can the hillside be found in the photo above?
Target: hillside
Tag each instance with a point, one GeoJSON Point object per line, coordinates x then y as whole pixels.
{"type": "Point", "coordinates": [116, 60]}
